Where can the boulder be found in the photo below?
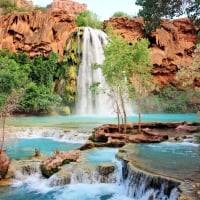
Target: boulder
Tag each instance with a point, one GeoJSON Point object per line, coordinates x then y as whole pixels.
{"type": "Point", "coordinates": [52, 164]}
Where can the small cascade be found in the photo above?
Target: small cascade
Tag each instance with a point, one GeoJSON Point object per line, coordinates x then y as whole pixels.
{"type": "Point", "coordinates": [141, 185]}
{"type": "Point", "coordinates": [72, 136]}
{"type": "Point", "coordinates": [88, 174]}
{"type": "Point", "coordinates": [25, 169]}
{"type": "Point", "coordinates": [89, 103]}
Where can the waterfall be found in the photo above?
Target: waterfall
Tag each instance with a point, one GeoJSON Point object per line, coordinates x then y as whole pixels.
{"type": "Point", "coordinates": [142, 185]}
{"type": "Point", "coordinates": [89, 103]}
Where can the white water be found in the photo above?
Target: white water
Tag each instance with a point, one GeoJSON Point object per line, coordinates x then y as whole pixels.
{"type": "Point", "coordinates": [81, 186]}
{"type": "Point", "coordinates": [70, 136]}
{"type": "Point", "coordinates": [87, 102]}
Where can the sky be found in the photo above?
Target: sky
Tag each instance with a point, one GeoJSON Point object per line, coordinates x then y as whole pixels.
{"type": "Point", "coordinates": [103, 8]}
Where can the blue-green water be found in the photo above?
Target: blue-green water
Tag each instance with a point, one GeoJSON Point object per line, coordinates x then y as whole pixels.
{"type": "Point", "coordinates": [101, 155]}
{"type": "Point", "coordinates": [24, 148]}
{"type": "Point", "coordinates": [93, 121]}
{"type": "Point", "coordinates": [176, 160]}
{"type": "Point", "coordinates": [169, 158]}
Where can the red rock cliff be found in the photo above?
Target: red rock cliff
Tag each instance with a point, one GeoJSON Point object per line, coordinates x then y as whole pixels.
{"type": "Point", "coordinates": [36, 32]}
{"type": "Point", "coordinates": [172, 45]}
{"type": "Point", "coordinates": [69, 6]}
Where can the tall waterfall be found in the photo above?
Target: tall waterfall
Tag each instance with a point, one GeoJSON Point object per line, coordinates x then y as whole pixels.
{"type": "Point", "coordinates": [87, 102]}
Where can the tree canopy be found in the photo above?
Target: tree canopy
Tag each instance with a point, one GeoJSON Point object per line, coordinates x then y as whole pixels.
{"type": "Point", "coordinates": [127, 71]}
{"type": "Point", "coordinates": [88, 18]}
{"type": "Point", "coordinates": [153, 11]}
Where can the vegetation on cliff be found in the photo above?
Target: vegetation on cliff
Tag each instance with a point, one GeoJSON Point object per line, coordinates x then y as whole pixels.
{"type": "Point", "coordinates": [153, 11]}
{"type": "Point", "coordinates": [32, 77]}
{"type": "Point", "coordinates": [88, 18]}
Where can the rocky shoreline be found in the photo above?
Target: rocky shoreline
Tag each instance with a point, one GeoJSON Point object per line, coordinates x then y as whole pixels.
{"type": "Point", "coordinates": [107, 136]}
{"type": "Point", "coordinates": [152, 132]}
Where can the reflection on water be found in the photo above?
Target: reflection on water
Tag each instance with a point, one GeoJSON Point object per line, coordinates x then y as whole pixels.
{"type": "Point", "coordinates": [93, 121]}
{"type": "Point", "coordinates": [177, 160]}
{"type": "Point", "coordinates": [25, 148]}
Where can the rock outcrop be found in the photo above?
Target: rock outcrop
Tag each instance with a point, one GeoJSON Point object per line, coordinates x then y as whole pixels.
{"type": "Point", "coordinates": [36, 32]}
{"type": "Point", "coordinates": [69, 6]}
{"type": "Point", "coordinates": [152, 132]}
{"type": "Point", "coordinates": [24, 3]}
{"type": "Point", "coordinates": [52, 164]}
{"type": "Point", "coordinates": [4, 163]}
{"type": "Point", "coordinates": [172, 45]}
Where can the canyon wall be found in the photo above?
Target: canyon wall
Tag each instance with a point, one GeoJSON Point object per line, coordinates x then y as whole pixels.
{"type": "Point", "coordinates": [69, 6]}
{"type": "Point", "coordinates": [36, 32]}
{"type": "Point", "coordinates": [172, 45]}
{"type": "Point", "coordinates": [39, 33]}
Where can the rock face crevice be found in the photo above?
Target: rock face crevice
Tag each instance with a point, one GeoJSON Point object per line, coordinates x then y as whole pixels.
{"type": "Point", "coordinates": [36, 32]}
{"type": "Point", "coordinates": [69, 6]}
{"type": "Point", "coordinates": [172, 45]}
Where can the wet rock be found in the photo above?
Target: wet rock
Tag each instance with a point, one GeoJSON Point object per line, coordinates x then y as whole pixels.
{"type": "Point", "coordinates": [4, 163]}
{"type": "Point", "coordinates": [52, 164]}
{"type": "Point", "coordinates": [106, 169]}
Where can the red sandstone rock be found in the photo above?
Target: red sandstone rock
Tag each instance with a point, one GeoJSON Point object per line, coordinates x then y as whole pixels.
{"type": "Point", "coordinates": [36, 32]}
{"type": "Point", "coordinates": [24, 3]}
{"type": "Point", "coordinates": [52, 164]}
{"type": "Point", "coordinates": [4, 163]}
{"type": "Point", "coordinates": [172, 45]}
{"type": "Point", "coordinates": [69, 6]}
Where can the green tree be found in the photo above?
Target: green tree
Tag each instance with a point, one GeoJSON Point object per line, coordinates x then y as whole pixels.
{"type": "Point", "coordinates": [114, 71]}
{"type": "Point", "coordinates": [139, 72]}
{"type": "Point", "coordinates": [43, 70]}
{"type": "Point", "coordinates": [88, 18]}
{"type": "Point", "coordinates": [38, 99]}
{"type": "Point", "coordinates": [193, 10]}
{"type": "Point", "coordinates": [152, 11]}
{"type": "Point", "coordinates": [127, 71]}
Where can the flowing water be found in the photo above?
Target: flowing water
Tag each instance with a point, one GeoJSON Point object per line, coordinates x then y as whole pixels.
{"type": "Point", "coordinates": [131, 185]}
{"type": "Point", "coordinates": [89, 103]}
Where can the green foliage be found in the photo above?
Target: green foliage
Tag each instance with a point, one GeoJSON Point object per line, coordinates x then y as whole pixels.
{"type": "Point", "coordinates": [42, 70]}
{"type": "Point", "coordinates": [32, 77]}
{"type": "Point", "coordinates": [193, 10]}
{"type": "Point", "coordinates": [126, 69]}
{"type": "Point", "coordinates": [9, 6]}
{"type": "Point", "coordinates": [152, 11]}
{"type": "Point", "coordinates": [173, 100]}
{"type": "Point", "coordinates": [38, 99]}
{"type": "Point", "coordinates": [120, 14]}
{"type": "Point", "coordinates": [88, 18]}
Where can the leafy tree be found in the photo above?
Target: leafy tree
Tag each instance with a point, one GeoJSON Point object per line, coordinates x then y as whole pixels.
{"type": "Point", "coordinates": [193, 10]}
{"type": "Point", "coordinates": [140, 73]}
{"type": "Point", "coordinates": [128, 73]}
{"type": "Point", "coordinates": [88, 18]}
{"type": "Point", "coordinates": [43, 69]}
{"type": "Point", "coordinates": [114, 71]}
{"type": "Point", "coordinates": [152, 11]}
{"type": "Point", "coordinates": [38, 99]}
